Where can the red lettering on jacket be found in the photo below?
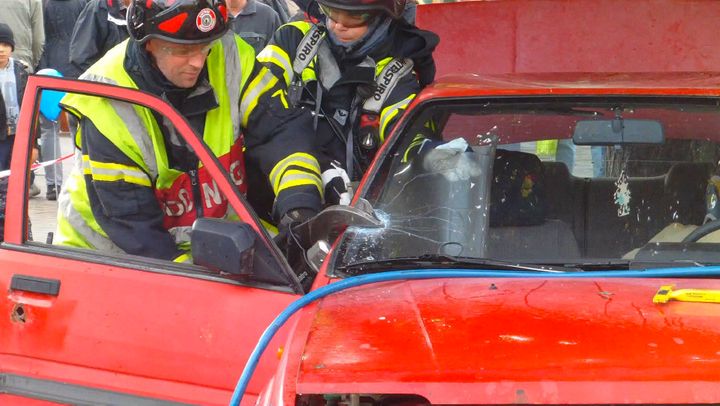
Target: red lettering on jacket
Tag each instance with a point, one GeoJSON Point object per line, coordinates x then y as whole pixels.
{"type": "Point", "coordinates": [178, 202]}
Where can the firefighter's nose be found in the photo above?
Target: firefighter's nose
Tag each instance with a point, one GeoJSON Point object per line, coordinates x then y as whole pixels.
{"type": "Point", "coordinates": [197, 60]}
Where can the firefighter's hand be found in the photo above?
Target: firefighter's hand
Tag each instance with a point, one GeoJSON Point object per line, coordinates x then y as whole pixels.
{"type": "Point", "coordinates": [296, 216]}
{"type": "Point", "coordinates": [290, 219]}
{"type": "Point", "coordinates": [34, 155]}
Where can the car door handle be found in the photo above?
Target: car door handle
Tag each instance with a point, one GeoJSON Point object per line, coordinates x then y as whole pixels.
{"type": "Point", "coordinates": [35, 284]}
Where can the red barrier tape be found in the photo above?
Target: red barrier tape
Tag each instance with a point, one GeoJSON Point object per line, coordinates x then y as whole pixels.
{"type": "Point", "coordinates": [38, 165]}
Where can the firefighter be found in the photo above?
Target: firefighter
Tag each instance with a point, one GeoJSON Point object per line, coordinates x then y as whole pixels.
{"type": "Point", "coordinates": [139, 187]}
{"type": "Point", "coordinates": [356, 70]}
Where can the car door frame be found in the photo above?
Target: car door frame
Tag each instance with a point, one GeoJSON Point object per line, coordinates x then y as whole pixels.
{"type": "Point", "coordinates": [15, 244]}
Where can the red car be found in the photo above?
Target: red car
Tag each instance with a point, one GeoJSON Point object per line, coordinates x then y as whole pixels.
{"type": "Point", "coordinates": [546, 275]}
{"type": "Point", "coordinates": [587, 282]}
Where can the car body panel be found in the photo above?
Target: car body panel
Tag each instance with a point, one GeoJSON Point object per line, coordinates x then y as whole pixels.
{"type": "Point", "coordinates": [486, 340]}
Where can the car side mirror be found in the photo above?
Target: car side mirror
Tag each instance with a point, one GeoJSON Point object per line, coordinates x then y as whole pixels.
{"type": "Point", "coordinates": [223, 246]}
{"type": "Point", "coordinates": [236, 249]}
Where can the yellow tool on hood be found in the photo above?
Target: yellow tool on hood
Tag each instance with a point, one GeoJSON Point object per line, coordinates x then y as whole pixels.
{"type": "Point", "coordinates": [666, 294]}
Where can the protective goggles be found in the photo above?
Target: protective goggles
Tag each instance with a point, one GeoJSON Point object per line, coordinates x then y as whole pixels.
{"type": "Point", "coordinates": [348, 18]}
{"type": "Point", "coordinates": [186, 51]}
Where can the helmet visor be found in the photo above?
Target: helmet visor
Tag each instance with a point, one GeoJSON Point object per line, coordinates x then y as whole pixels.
{"type": "Point", "coordinates": [348, 18]}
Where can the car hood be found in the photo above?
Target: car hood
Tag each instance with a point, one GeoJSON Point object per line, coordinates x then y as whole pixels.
{"type": "Point", "coordinates": [516, 340]}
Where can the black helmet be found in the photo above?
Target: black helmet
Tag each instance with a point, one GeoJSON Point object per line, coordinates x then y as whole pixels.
{"type": "Point", "coordinates": [179, 21]}
{"type": "Point", "coordinates": [394, 8]}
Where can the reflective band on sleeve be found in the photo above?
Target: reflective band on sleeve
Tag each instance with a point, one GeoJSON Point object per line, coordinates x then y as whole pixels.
{"type": "Point", "coordinates": [299, 159]}
{"type": "Point", "coordinates": [390, 112]}
{"type": "Point", "coordinates": [292, 178]}
{"type": "Point", "coordinates": [276, 55]}
{"type": "Point", "coordinates": [108, 172]}
{"type": "Point", "coordinates": [264, 81]}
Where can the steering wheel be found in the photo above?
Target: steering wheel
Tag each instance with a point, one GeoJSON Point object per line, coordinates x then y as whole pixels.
{"type": "Point", "coordinates": [702, 231]}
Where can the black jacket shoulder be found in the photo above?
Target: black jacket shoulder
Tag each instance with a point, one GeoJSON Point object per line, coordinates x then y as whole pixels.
{"type": "Point", "coordinates": [21, 77]}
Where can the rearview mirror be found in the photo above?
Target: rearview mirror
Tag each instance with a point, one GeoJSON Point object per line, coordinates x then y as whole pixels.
{"type": "Point", "coordinates": [618, 131]}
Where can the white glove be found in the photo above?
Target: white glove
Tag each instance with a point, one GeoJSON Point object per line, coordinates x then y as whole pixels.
{"type": "Point", "coordinates": [336, 184]}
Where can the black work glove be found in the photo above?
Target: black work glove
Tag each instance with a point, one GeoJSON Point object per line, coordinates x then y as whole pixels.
{"type": "Point", "coordinates": [295, 216]}
{"type": "Point", "coordinates": [286, 240]}
{"type": "Point", "coordinates": [291, 218]}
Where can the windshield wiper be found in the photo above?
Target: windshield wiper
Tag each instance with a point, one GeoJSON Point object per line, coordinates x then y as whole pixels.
{"type": "Point", "coordinates": [445, 261]}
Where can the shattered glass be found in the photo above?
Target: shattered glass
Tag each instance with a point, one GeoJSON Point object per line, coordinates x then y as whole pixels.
{"type": "Point", "coordinates": [510, 180]}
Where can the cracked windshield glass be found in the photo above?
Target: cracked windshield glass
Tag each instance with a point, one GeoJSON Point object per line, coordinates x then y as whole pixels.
{"type": "Point", "coordinates": [549, 181]}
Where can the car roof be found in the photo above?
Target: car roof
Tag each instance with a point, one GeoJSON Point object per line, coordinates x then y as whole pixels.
{"type": "Point", "coordinates": [535, 84]}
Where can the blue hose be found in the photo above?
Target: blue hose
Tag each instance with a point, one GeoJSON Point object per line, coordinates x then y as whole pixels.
{"type": "Point", "coordinates": [433, 274]}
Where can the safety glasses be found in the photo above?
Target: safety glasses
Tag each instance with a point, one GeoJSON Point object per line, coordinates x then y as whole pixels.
{"type": "Point", "coordinates": [349, 19]}
{"type": "Point", "coordinates": [187, 51]}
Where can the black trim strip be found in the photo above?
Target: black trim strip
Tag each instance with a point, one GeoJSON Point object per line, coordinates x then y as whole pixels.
{"type": "Point", "coordinates": [66, 393]}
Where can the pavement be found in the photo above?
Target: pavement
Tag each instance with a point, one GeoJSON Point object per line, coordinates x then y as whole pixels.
{"type": "Point", "coordinates": [43, 212]}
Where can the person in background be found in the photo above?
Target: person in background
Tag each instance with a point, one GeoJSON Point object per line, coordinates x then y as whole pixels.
{"type": "Point", "coordinates": [3, 179]}
{"type": "Point", "coordinates": [25, 19]}
{"type": "Point", "coordinates": [100, 26]}
{"type": "Point", "coordinates": [253, 21]}
{"type": "Point", "coordinates": [49, 141]}
{"type": "Point", "coordinates": [60, 18]}
{"type": "Point", "coordinates": [13, 78]}
{"type": "Point", "coordinates": [281, 8]}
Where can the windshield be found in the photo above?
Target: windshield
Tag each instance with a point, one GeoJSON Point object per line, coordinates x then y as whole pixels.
{"type": "Point", "coordinates": [548, 180]}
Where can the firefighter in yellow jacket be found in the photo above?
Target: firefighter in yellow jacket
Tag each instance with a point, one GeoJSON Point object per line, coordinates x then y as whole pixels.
{"type": "Point", "coordinates": [138, 187]}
